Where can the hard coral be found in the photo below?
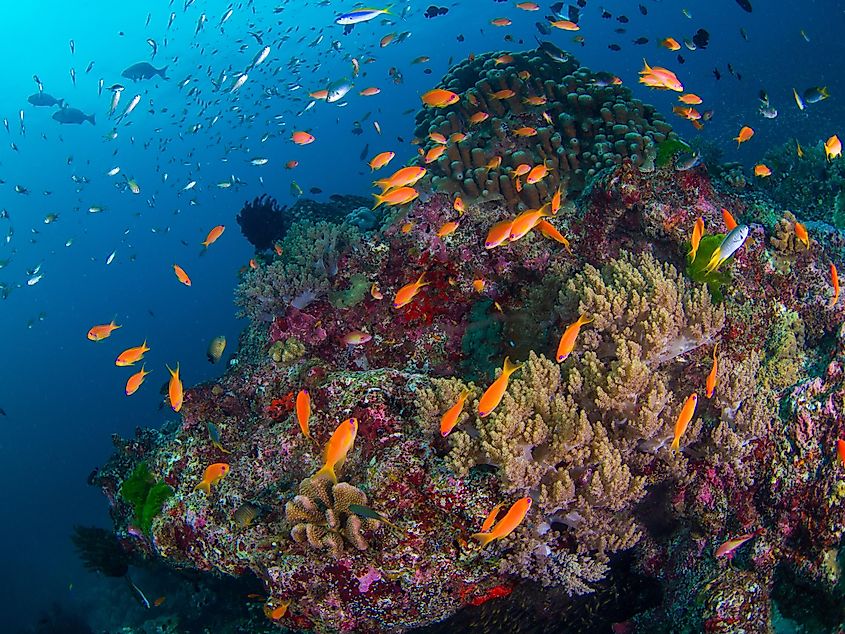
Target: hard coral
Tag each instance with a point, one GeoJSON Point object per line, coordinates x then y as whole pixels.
{"type": "Point", "coordinates": [321, 517]}
{"type": "Point", "coordinates": [590, 124]}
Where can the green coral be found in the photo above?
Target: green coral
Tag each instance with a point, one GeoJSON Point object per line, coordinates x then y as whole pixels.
{"type": "Point", "coordinates": [667, 149]}
{"type": "Point", "coordinates": [359, 285]}
{"type": "Point", "coordinates": [696, 269]}
{"type": "Point", "coordinates": [146, 496]}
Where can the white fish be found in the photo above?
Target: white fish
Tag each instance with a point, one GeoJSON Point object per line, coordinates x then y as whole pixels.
{"type": "Point", "coordinates": [110, 258]}
{"type": "Point", "coordinates": [261, 56]}
{"type": "Point", "coordinates": [240, 82]}
{"type": "Point", "coordinates": [129, 108]}
{"type": "Point", "coordinates": [113, 171]}
{"type": "Point", "coordinates": [260, 160]}
{"type": "Point", "coordinates": [190, 185]}
{"type": "Point", "coordinates": [34, 279]}
{"type": "Point", "coordinates": [226, 16]}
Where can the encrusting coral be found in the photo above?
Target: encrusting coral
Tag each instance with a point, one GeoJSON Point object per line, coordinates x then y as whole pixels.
{"type": "Point", "coordinates": [321, 517]}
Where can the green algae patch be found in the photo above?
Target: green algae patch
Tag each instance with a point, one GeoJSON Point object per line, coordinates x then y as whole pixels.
{"type": "Point", "coordinates": [695, 269]}
{"type": "Point", "coordinates": [359, 284]}
{"type": "Point", "coordinates": [146, 496]}
{"type": "Point", "coordinates": [667, 149]}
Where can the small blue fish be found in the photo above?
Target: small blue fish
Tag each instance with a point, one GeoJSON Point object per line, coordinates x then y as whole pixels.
{"type": "Point", "coordinates": [214, 435]}
{"type": "Point", "coordinates": [361, 15]}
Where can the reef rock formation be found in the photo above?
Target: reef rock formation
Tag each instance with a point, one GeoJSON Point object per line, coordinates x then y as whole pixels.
{"type": "Point", "coordinates": [587, 439]}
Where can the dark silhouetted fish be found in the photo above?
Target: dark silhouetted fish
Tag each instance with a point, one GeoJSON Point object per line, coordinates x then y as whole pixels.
{"type": "Point", "coordinates": [641, 40]}
{"type": "Point", "coordinates": [144, 70]}
{"type": "Point", "coordinates": [701, 38]}
{"type": "Point", "coordinates": [43, 99]}
{"type": "Point", "coordinates": [745, 4]}
{"type": "Point", "coordinates": [72, 115]}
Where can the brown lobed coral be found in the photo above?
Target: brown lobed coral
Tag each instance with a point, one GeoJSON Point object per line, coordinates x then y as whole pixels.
{"type": "Point", "coordinates": [321, 517]}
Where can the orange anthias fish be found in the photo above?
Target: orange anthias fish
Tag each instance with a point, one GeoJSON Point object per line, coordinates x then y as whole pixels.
{"type": "Point", "coordinates": [404, 177]}
{"type": "Point", "coordinates": [567, 340]}
{"type": "Point", "coordinates": [491, 518]}
{"type": "Point", "coordinates": [478, 117]}
{"type": "Point", "coordinates": [690, 99]}
{"type": "Point", "coordinates": [407, 293]}
{"type": "Point", "coordinates": [493, 395]}
{"type": "Point", "coordinates": [103, 331]}
{"type": "Point", "coordinates": [212, 236]}
{"type": "Point", "coordinates": [710, 385]}
{"type": "Point", "coordinates": [302, 138]}
{"type": "Point", "coordinates": [687, 412]}
{"type": "Point", "coordinates": [556, 200]}
{"type": "Point", "coordinates": [181, 275]}
{"type": "Point", "coordinates": [131, 356]}
{"type": "Point", "coordinates": [745, 133]}
{"type": "Point", "coordinates": [550, 231]}
{"type": "Point", "coordinates": [174, 389]}
{"type": "Point", "coordinates": [695, 240]}
{"type": "Point", "coordinates": [671, 43]}
{"type": "Point", "coordinates": [447, 228]}
{"type": "Point", "coordinates": [434, 153]}
{"type": "Point", "coordinates": [728, 219]}
{"type": "Point", "coordinates": [840, 450]}
{"type": "Point", "coordinates": [727, 549]}
{"type": "Point", "coordinates": [303, 412]}
{"type": "Point", "coordinates": [832, 148]}
{"type": "Point", "coordinates": [834, 280]}
{"type": "Point", "coordinates": [512, 519]}
{"type": "Point", "coordinates": [276, 610]}
{"type": "Point", "coordinates": [440, 98]}
{"type": "Point", "coordinates": [338, 447]}
{"type": "Point", "coordinates": [762, 170]}
{"type": "Point", "coordinates": [451, 416]}
{"type": "Point", "coordinates": [801, 234]}
{"type": "Point", "coordinates": [213, 474]}
{"type": "Point", "coordinates": [399, 196]}
{"type": "Point", "coordinates": [505, 93]}
{"type": "Point", "coordinates": [498, 234]}
{"type": "Point", "coordinates": [565, 25]}
{"type": "Point", "coordinates": [537, 173]}
{"type": "Point", "coordinates": [660, 78]}
{"type": "Point", "coordinates": [134, 381]}
{"type": "Point", "coordinates": [526, 221]}
{"type": "Point", "coordinates": [380, 160]}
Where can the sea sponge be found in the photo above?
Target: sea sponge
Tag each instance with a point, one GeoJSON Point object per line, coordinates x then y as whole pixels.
{"type": "Point", "coordinates": [553, 111]}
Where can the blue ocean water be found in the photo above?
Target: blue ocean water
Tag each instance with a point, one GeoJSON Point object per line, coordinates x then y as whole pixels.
{"type": "Point", "coordinates": [62, 394]}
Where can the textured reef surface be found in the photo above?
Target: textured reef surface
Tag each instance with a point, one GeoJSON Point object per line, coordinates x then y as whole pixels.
{"type": "Point", "coordinates": [588, 438]}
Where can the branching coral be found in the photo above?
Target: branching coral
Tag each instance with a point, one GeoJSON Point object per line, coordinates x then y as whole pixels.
{"type": "Point", "coordinates": [305, 271]}
{"type": "Point", "coordinates": [321, 517]}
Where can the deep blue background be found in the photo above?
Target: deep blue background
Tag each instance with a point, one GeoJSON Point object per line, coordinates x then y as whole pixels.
{"type": "Point", "coordinates": [63, 394]}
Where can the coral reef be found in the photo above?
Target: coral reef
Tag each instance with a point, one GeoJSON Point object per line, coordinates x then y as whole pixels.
{"type": "Point", "coordinates": [390, 546]}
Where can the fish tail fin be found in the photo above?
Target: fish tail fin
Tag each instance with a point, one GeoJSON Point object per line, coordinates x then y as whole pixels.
{"type": "Point", "coordinates": [509, 367]}
{"type": "Point", "coordinates": [91, 119]}
{"type": "Point", "coordinates": [676, 443]}
{"type": "Point", "coordinates": [327, 472]}
{"type": "Point", "coordinates": [824, 92]}
{"type": "Point", "coordinates": [163, 73]}
{"type": "Point", "coordinates": [60, 103]}
{"type": "Point", "coordinates": [483, 538]}
{"type": "Point", "coordinates": [379, 200]}
{"type": "Point", "coordinates": [714, 263]}
{"type": "Point", "coordinates": [204, 486]}
{"type": "Point", "coordinates": [421, 281]}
